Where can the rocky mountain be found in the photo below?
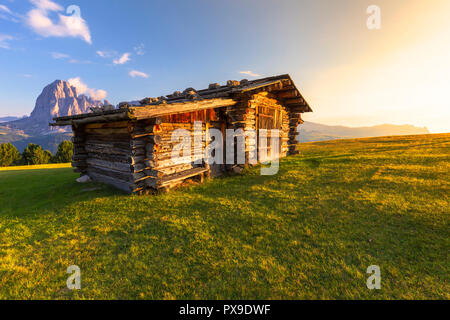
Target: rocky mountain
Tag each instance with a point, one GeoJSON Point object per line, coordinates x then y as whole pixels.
{"type": "Point", "coordinates": [56, 100]}
{"type": "Point", "coordinates": [310, 131]}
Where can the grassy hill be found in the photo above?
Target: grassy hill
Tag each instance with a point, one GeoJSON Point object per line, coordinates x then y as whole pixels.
{"type": "Point", "coordinates": [310, 131]}
{"type": "Point", "coordinates": [309, 232]}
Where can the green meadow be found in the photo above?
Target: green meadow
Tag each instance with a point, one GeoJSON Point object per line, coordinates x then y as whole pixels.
{"type": "Point", "coordinates": [309, 232]}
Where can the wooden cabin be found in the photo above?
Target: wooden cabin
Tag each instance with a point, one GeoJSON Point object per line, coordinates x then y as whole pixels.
{"type": "Point", "coordinates": [130, 147]}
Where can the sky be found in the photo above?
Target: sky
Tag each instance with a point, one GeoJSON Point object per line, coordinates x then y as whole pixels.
{"type": "Point", "coordinates": [126, 50]}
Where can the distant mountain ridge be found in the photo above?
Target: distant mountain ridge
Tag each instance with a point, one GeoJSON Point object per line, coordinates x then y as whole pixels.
{"type": "Point", "coordinates": [310, 131]}
{"type": "Point", "coordinates": [8, 119]}
{"type": "Point", "coordinates": [56, 100]}
{"type": "Point", "coordinates": [61, 99]}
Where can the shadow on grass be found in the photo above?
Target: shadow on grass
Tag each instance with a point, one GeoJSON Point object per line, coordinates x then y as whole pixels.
{"type": "Point", "coordinates": [39, 191]}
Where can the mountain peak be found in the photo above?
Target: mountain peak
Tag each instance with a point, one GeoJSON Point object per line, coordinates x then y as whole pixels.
{"type": "Point", "coordinates": [57, 99]}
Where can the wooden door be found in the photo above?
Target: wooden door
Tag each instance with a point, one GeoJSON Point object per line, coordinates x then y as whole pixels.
{"type": "Point", "coordinates": [268, 118]}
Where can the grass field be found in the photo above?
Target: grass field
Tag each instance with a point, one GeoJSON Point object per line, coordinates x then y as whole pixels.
{"type": "Point", "coordinates": [309, 232]}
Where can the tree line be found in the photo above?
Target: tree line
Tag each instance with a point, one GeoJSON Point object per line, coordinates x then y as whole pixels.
{"type": "Point", "coordinates": [34, 154]}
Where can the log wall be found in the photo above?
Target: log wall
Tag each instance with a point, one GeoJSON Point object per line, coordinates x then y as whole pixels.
{"type": "Point", "coordinates": [136, 156]}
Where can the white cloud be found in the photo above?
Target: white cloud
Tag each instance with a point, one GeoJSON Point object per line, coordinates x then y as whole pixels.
{"type": "Point", "coordinates": [63, 56]}
{"type": "Point", "coordinates": [250, 73]}
{"type": "Point", "coordinates": [67, 26]}
{"type": "Point", "coordinates": [82, 88]}
{"type": "Point", "coordinates": [76, 61]}
{"type": "Point", "coordinates": [59, 55]}
{"type": "Point", "coordinates": [139, 50]}
{"type": "Point", "coordinates": [7, 14]}
{"type": "Point", "coordinates": [123, 59]}
{"type": "Point", "coordinates": [135, 73]}
{"type": "Point", "coordinates": [46, 5]}
{"type": "Point", "coordinates": [103, 54]}
{"type": "Point", "coordinates": [4, 38]}
{"type": "Point", "coordinates": [106, 54]}
{"type": "Point", "coordinates": [4, 8]}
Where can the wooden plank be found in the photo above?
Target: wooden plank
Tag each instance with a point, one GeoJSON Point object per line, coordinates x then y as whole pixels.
{"type": "Point", "coordinates": [300, 108]}
{"type": "Point", "coordinates": [106, 149]}
{"type": "Point", "coordinates": [174, 178]}
{"type": "Point", "coordinates": [161, 172]}
{"type": "Point", "coordinates": [182, 175]}
{"type": "Point", "coordinates": [119, 124]}
{"type": "Point", "coordinates": [294, 101]}
{"type": "Point", "coordinates": [255, 86]}
{"type": "Point", "coordinates": [288, 94]}
{"type": "Point", "coordinates": [117, 166]}
{"type": "Point", "coordinates": [153, 111]}
{"type": "Point", "coordinates": [107, 131]}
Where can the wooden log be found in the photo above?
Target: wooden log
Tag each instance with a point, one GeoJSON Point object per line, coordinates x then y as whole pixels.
{"type": "Point", "coordinates": [119, 116]}
{"type": "Point", "coordinates": [150, 137]}
{"type": "Point", "coordinates": [153, 121]}
{"type": "Point", "coordinates": [79, 150]}
{"type": "Point", "coordinates": [175, 178]}
{"type": "Point", "coordinates": [138, 167]}
{"type": "Point", "coordinates": [167, 148]}
{"type": "Point", "coordinates": [124, 158]}
{"type": "Point", "coordinates": [119, 124]}
{"type": "Point", "coordinates": [113, 139]}
{"type": "Point", "coordinates": [288, 94]}
{"type": "Point", "coordinates": [301, 108]}
{"type": "Point", "coordinates": [147, 129]}
{"type": "Point", "coordinates": [138, 143]}
{"type": "Point", "coordinates": [160, 172]}
{"type": "Point", "coordinates": [79, 157]}
{"type": "Point", "coordinates": [176, 108]}
{"type": "Point", "coordinates": [125, 145]}
{"type": "Point", "coordinates": [128, 177]}
{"type": "Point", "coordinates": [107, 131]}
{"type": "Point", "coordinates": [106, 149]}
{"type": "Point", "coordinates": [167, 155]}
{"type": "Point", "coordinates": [173, 125]}
{"type": "Point", "coordinates": [117, 183]}
{"type": "Point", "coordinates": [117, 166]}
{"type": "Point", "coordinates": [170, 162]}
{"type": "Point", "coordinates": [79, 164]}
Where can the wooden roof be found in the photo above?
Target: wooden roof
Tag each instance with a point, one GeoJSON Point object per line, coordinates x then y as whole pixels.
{"type": "Point", "coordinates": [192, 100]}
